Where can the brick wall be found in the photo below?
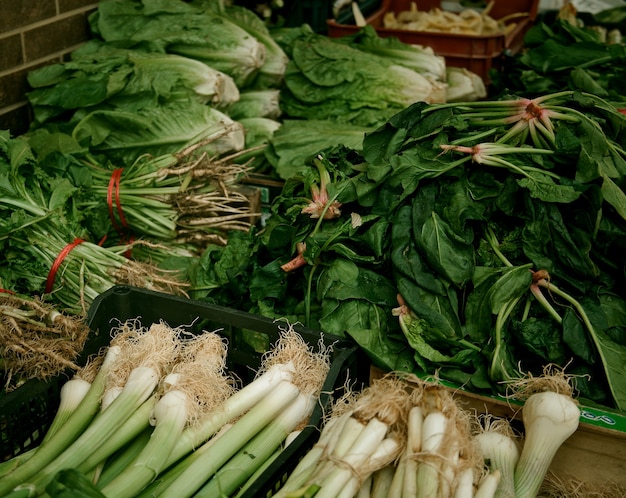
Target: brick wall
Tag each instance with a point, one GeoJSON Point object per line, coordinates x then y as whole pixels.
{"type": "Point", "coordinates": [34, 33]}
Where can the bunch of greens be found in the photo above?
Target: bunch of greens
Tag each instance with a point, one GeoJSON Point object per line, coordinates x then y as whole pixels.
{"type": "Point", "coordinates": [563, 54]}
{"type": "Point", "coordinates": [183, 199]}
{"type": "Point", "coordinates": [233, 41]}
{"type": "Point", "coordinates": [46, 248]}
{"type": "Point", "coordinates": [479, 240]}
{"type": "Point", "coordinates": [101, 76]}
{"type": "Point", "coordinates": [357, 82]}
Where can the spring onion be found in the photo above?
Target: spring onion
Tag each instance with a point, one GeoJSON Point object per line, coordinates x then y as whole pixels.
{"type": "Point", "coordinates": [359, 439]}
{"type": "Point", "coordinates": [500, 451]}
{"type": "Point", "coordinates": [309, 371]}
{"type": "Point", "coordinates": [195, 385]}
{"type": "Point", "coordinates": [145, 354]}
{"type": "Point", "coordinates": [68, 432]}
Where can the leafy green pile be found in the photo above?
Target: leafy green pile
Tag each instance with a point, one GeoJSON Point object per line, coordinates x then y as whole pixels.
{"type": "Point", "coordinates": [101, 76]}
{"type": "Point", "coordinates": [559, 55]}
{"type": "Point", "coordinates": [200, 30]}
{"type": "Point", "coordinates": [479, 240]}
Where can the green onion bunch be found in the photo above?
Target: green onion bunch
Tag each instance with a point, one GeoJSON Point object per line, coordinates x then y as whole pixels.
{"type": "Point", "coordinates": [162, 417]}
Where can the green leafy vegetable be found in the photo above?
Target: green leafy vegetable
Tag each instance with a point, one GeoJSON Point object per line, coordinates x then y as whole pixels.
{"type": "Point", "coordinates": [466, 239]}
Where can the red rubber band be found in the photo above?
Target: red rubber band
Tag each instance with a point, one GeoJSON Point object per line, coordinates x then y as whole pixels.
{"type": "Point", "coordinates": [57, 263]}
{"type": "Point", "coordinates": [7, 291]}
{"type": "Point", "coordinates": [129, 240]}
{"type": "Point", "coordinates": [114, 189]}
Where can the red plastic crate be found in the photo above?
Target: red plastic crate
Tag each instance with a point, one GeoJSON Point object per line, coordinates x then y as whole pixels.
{"type": "Point", "coordinates": [476, 53]}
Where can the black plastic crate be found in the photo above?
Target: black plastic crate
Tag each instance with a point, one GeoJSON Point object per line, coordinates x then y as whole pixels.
{"type": "Point", "coordinates": [26, 413]}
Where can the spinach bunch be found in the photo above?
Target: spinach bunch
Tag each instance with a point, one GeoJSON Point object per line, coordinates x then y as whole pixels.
{"type": "Point", "coordinates": [447, 253]}
{"type": "Point", "coordinates": [559, 55]}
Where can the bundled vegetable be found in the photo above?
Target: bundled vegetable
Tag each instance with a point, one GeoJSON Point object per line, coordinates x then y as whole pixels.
{"type": "Point", "coordinates": [47, 250]}
{"type": "Point", "coordinates": [360, 437]}
{"type": "Point", "coordinates": [184, 197]}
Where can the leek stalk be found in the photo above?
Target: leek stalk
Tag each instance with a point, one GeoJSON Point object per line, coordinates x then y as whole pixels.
{"type": "Point", "coordinates": [128, 431]}
{"type": "Point", "coordinates": [235, 473]}
{"type": "Point", "coordinates": [67, 433]}
{"type": "Point", "coordinates": [120, 460]}
{"type": "Point", "coordinates": [203, 465]}
{"type": "Point", "coordinates": [71, 395]}
{"type": "Point", "coordinates": [140, 385]}
{"type": "Point", "coordinates": [235, 406]}
{"type": "Point", "coordinates": [171, 416]}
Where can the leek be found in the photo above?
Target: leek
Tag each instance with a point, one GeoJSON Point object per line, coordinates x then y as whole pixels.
{"type": "Point", "coordinates": [71, 395]}
{"type": "Point", "coordinates": [200, 466]}
{"type": "Point", "coordinates": [239, 468]}
{"type": "Point", "coordinates": [144, 355]}
{"type": "Point", "coordinates": [309, 371]}
{"type": "Point", "coordinates": [127, 432]}
{"type": "Point", "coordinates": [197, 384]}
{"type": "Point", "coordinates": [68, 432]}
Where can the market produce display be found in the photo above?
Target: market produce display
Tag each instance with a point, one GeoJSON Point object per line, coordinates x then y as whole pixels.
{"type": "Point", "coordinates": [457, 234]}
{"type": "Point", "coordinates": [522, 269]}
